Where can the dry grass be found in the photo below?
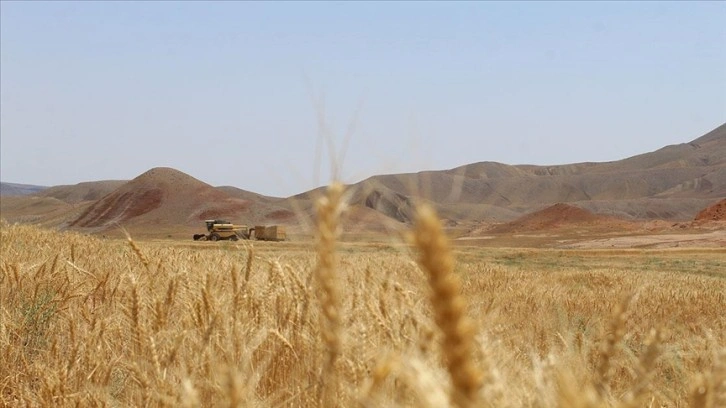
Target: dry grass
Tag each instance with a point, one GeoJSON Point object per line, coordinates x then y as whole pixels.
{"type": "Point", "coordinates": [89, 322]}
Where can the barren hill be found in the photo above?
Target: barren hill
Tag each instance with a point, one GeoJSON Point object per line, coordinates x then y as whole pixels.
{"type": "Point", "coordinates": [15, 189]}
{"type": "Point", "coordinates": [248, 195]}
{"type": "Point", "coordinates": [715, 212]}
{"type": "Point", "coordinates": [558, 216]}
{"type": "Point", "coordinates": [87, 191]}
{"type": "Point", "coordinates": [160, 196]}
{"type": "Point", "coordinates": [36, 210]}
{"type": "Point", "coordinates": [673, 209]}
{"type": "Point", "coordinates": [671, 183]}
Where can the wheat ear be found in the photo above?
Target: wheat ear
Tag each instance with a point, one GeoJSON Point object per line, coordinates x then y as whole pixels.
{"type": "Point", "coordinates": [449, 306]}
{"type": "Point", "coordinates": [144, 260]}
{"type": "Point", "coordinates": [328, 210]}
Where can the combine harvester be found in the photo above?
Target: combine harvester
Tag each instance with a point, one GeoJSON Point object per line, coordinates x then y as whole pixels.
{"type": "Point", "coordinates": [225, 230]}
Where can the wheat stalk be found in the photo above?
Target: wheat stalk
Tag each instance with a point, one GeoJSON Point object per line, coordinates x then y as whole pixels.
{"type": "Point", "coordinates": [328, 209]}
{"type": "Point", "coordinates": [616, 331]}
{"type": "Point", "coordinates": [449, 306]}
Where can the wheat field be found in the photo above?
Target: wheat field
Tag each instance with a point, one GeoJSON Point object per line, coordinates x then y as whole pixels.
{"type": "Point", "coordinates": [86, 321]}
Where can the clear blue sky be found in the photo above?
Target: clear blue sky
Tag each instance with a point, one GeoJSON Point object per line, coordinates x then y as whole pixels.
{"type": "Point", "coordinates": [231, 92]}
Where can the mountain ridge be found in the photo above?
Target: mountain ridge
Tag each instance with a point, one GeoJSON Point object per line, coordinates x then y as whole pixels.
{"type": "Point", "coordinates": [672, 183]}
{"type": "Point", "coordinates": [17, 189]}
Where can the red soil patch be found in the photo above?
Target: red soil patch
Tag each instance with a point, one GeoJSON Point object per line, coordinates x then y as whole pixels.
{"type": "Point", "coordinates": [280, 215]}
{"type": "Point", "coordinates": [557, 216]}
{"type": "Point", "coordinates": [716, 212]}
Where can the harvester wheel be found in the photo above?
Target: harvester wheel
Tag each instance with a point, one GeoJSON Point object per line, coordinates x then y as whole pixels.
{"type": "Point", "coordinates": [234, 238]}
{"type": "Point", "coordinates": [214, 237]}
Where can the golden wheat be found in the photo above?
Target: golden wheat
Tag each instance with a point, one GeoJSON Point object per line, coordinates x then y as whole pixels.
{"type": "Point", "coordinates": [84, 323]}
{"type": "Point", "coordinates": [328, 212]}
{"type": "Point", "coordinates": [449, 306]}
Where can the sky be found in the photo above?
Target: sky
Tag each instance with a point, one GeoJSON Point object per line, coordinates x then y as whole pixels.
{"type": "Point", "coordinates": [280, 97]}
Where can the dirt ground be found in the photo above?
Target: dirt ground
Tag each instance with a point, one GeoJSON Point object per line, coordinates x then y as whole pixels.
{"type": "Point", "coordinates": [641, 235]}
{"type": "Point", "coordinates": [712, 239]}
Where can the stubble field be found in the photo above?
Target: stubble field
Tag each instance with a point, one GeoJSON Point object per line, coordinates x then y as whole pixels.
{"type": "Point", "coordinates": [93, 322]}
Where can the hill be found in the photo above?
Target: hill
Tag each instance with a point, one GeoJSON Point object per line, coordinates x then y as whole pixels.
{"type": "Point", "coordinates": [247, 195]}
{"type": "Point", "coordinates": [78, 193]}
{"type": "Point", "coordinates": [29, 209]}
{"type": "Point", "coordinates": [160, 196]}
{"type": "Point", "coordinates": [559, 216]}
{"type": "Point", "coordinates": [14, 189]}
{"type": "Point", "coordinates": [165, 199]}
{"type": "Point", "coordinates": [715, 212]}
{"type": "Point", "coordinates": [673, 183]}
{"type": "Point", "coordinates": [676, 180]}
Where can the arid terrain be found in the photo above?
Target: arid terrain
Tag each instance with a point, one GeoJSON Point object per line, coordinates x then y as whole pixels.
{"type": "Point", "coordinates": [89, 321]}
{"type": "Point", "coordinates": [545, 299]}
{"type": "Point", "coordinates": [671, 193]}
{"type": "Point", "coordinates": [352, 204]}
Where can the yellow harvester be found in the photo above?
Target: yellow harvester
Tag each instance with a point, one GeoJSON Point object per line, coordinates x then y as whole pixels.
{"type": "Point", "coordinates": [221, 229]}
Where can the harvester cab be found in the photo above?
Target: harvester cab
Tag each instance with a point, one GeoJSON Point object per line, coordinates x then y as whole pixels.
{"type": "Point", "coordinates": [212, 223]}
